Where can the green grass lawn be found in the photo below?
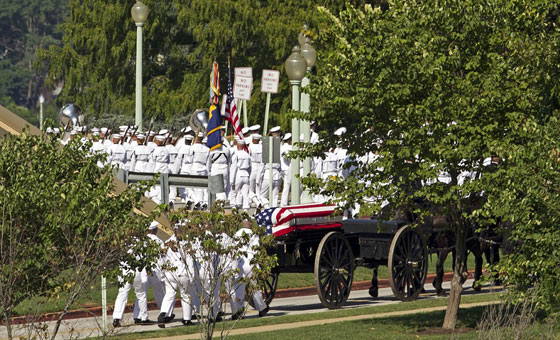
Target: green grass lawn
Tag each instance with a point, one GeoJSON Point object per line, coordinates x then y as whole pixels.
{"type": "Point", "coordinates": [465, 316]}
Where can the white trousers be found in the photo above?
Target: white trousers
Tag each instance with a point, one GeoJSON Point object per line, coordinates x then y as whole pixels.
{"type": "Point", "coordinates": [275, 191]}
{"type": "Point", "coordinates": [242, 192]}
{"type": "Point", "coordinates": [157, 287]}
{"type": "Point", "coordinates": [286, 189]}
{"type": "Point", "coordinates": [253, 185]}
{"type": "Point", "coordinates": [200, 196]}
{"type": "Point", "coordinates": [173, 282]}
{"type": "Point", "coordinates": [219, 169]}
{"type": "Point", "coordinates": [139, 284]}
{"type": "Point", "coordinates": [245, 270]}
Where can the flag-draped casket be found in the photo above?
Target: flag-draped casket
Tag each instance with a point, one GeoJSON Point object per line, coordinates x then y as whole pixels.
{"type": "Point", "coordinates": [280, 221]}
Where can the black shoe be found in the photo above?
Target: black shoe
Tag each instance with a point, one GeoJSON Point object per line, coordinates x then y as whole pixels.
{"type": "Point", "coordinates": [146, 322]}
{"type": "Point", "coordinates": [169, 318]}
{"type": "Point", "coordinates": [264, 311]}
{"type": "Point", "coordinates": [187, 322]}
{"type": "Point", "coordinates": [237, 315]}
{"type": "Point", "coordinates": [116, 323]}
{"type": "Point", "coordinates": [137, 321]}
{"type": "Point", "coordinates": [161, 320]}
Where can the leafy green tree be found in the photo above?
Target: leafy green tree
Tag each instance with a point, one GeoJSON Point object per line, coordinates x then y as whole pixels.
{"type": "Point", "coordinates": [430, 88]}
{"type": "Point", "coordinates": [62, 225]}
{"type": "Point", "coordinates": [181, 40]}
{"type": "Point", "coordinates": [528, 202]}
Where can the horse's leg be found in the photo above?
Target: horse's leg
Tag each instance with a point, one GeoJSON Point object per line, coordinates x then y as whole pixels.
{"type": "Point", "coordinates": [438, 279]}
{"type": "Point", "coordinates": [374, 289]}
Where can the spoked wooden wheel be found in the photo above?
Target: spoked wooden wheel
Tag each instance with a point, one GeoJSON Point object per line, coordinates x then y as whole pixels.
{"type": "Point", "coordinates": [334, 270]}
{"type": "Point", "coordinates": [269, 289]}
{"type": "Point", "coordinates": [408, 264]}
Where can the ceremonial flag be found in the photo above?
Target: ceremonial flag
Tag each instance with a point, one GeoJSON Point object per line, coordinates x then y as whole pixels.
{"type": "Point", "coordinates": [214, 137]}
{"type": "Point", "coordinates": [280, 221]}
{"type": "Point", "coordinates": [231, 108]}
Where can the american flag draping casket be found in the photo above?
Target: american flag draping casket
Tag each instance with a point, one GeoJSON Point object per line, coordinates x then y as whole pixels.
{"type": "Point", "coordinates": [280, 221]}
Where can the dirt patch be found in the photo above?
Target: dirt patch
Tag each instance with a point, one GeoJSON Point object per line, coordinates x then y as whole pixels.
{"type": "Point", "coordinates": [444, 331]}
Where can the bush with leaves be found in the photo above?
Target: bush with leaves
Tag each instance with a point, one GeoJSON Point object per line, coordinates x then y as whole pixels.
{"type": "Point", "coordinates": [62, 223]}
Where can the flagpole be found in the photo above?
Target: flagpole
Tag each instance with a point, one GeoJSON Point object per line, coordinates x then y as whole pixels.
{"type": "Point", "coordinates": [245, 113]}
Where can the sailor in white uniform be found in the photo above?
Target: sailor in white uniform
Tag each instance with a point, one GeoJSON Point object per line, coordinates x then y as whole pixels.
{"type": "Point", "coordinates": [285, 148]}
{"type": "Point", "coordinates": [200, 166]}
{"type": "Point", "coordinates": [240, 173]}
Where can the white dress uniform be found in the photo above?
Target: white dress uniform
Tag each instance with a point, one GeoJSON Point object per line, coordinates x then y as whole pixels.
{"type": "Point", "coordinates": [246, 271]}
{"type": "Point", "coordinates": [141, 159]}
{"type": "Point", "coordinates": [97, 147]}
{"type": "Point", "coordinates": [264, 177]}
{"type": "Point", "coordinates": [178, 279]}
{"type": "Point", "coordinates": [116, 155]}
{"type": "Point", "coordinates": [255, 151]}
{"type": "Point", "coordinates": [139, 284]}
{"type": "Point", "coordinates": [219, 165]}
{"type": "Point", "coordinates": [200, 166]}
{"type": "Point", "coordinates": [173, 169]}
{"type": "Point", "coordinates": [286, 173]}
{"type": "Point", "coordinates": [241, 172]}
{"type": "Point", "coordinates": [155, 280]}
{"type": "Point", "coordinates": [128, 155]}
{"type": "Point", "coordinates": [160, 164]}
{"type": "Point", "coordinates": [183, 163]}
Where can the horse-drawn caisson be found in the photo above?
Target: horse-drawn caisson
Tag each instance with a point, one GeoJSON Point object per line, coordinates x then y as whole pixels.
{"type": "Point", "coordinates": [311, 238]}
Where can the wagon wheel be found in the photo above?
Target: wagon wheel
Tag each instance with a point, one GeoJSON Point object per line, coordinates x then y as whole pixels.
{"type": "Point", "coordinates": [268, 291]}
{"type": "Point", "coordinates": [408, 264]}
{"type": "Point", "coordinates": [334, 270]}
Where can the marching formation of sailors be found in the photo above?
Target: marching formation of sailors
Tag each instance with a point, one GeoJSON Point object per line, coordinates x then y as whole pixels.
{"type": "Point", "coordinates": [195, 275]}
{"type": "Point", "coordinates": [240, 162]}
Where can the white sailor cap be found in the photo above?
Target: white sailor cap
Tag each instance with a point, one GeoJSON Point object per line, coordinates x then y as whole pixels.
{"type": "Point", "coordinates": [312, 122]}
{"type": "Point", "coordinates": [123, 127]}
{"type": "Point", "coordinates": [122, 134]}
{"type": "Point", "coordinates": [340, 131]}
{"type": "Point", "coordinates": [275, 129]}
{"type": "Point", "coordinates": [160, 138]}
{"type": "Point", "coordinates": [254, 127]}
{"type": "Point", "coordinates": [287, 136]}
{"type": "Point", "coordinates": [140, 136]}
{"type": "Point", "coordinates": [94, 130]}
{"type": "Point", "coordinates": [163, 132]}
{"type": "Point", "coordinates": [152, 133]}
{"type": "Point", "coordinates": [115, 136]}
{"type": "Point", "coordinates": [95, 134]}
{"type": "Point", "coordinates": [245, 130]}
{"type": "Point", "coordinates": [200, 134]}
{"type": "Point", "coordinates": [256, 136]}
{"type": "Point", "coordinates": [241, 141]}
{"type": "Point", "coordinates": [49, 130]}
{"type": "Point", "coordinates": [103, 130]}
{"type": "Point", "coordinates": [56, 130]}
{"type": "Point", "coordinates": [153, 225]}
{"type": "Point", "coordinates": [204, 140]}
{"type": "Point", "coordinates": [189, 137]}
{"type": "Point", "coordinates": [188, 129]}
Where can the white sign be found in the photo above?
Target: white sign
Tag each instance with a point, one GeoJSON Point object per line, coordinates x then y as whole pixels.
{"type": "Point", "coordinates": [242, 87]}
{"type": "Point", "coordinates": [270, 80]}
{"type": "Point", "coordinates": [246, 72]}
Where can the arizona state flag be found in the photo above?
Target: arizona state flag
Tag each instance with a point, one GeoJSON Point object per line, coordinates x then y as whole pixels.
{"type": "Point", "coordinates": [214, 137]}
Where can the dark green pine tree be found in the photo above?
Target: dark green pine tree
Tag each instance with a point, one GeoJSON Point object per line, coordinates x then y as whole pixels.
{"type": "Point", "coordinates": [181, 40]}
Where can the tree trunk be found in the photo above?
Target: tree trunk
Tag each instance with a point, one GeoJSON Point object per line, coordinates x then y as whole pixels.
{"type": "Point", "coordinates": [459, 277]}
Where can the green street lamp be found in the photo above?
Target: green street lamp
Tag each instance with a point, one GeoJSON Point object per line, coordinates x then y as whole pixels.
{"type": "Point", "coordinates": [139, 14]}
{"type": "Point", "coordinates": [295, 66]}
{"type": "Point", "coordinates": [310, 56]}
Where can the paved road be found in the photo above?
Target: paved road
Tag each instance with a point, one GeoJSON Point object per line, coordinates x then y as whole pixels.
{"type": "Point", "coordinates": [86, 327]}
